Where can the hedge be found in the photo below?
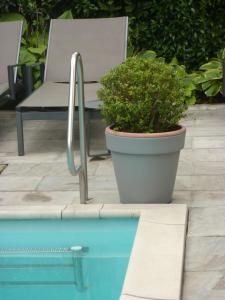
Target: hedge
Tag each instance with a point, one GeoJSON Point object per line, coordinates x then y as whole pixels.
{"type": "Point", "coordinates": [192, 31]}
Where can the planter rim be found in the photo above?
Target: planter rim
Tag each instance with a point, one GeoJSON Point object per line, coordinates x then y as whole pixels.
{"type": "Point", "coordinates": [180, 130]}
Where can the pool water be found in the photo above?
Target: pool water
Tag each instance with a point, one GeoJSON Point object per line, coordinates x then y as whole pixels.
{"type": "Point", "coordinates": [82, 259]}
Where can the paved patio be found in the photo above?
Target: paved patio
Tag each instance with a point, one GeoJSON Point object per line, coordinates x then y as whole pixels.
{"type": "Point", "coordinates": [41, 178]}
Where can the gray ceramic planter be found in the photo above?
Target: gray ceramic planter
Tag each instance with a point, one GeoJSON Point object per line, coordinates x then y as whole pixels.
{"type": "Point", "coordinates": [145, 164]}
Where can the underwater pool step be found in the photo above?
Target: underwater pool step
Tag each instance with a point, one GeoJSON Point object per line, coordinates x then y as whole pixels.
{"type": "Point", "coordinates": [72, 249]}
{"type": "Point", "coordinates": [38, 273]}
{"type": "Point", "coordinates": [36, 283]}
{"type": "Point", "coordinates": [28, 266]}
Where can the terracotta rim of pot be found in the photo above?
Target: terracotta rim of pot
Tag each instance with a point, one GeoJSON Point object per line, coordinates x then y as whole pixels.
{"type": "Point", "coordinates": [180, 130]}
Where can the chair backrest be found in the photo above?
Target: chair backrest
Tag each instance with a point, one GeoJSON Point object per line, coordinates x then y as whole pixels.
{"type": "Point", "coordinates": [10, 38]}
{"type": "Point", "coordinates": [101, 42]}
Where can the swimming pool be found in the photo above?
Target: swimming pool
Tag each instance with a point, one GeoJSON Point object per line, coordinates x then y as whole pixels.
{"type": "Point", "coordinates": [80, 259]}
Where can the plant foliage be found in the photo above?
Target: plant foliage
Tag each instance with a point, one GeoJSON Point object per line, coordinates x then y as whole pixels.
{"type": "Point", "coordinates": [209, 78]}
{"type": "Point", "coordinates": [192, 31]}
{"type": "Point", "coordinates": [143, 95]}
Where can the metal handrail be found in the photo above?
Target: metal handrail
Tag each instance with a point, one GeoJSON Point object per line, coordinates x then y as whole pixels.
{"type": "Point", "coordinates": [76, 79]}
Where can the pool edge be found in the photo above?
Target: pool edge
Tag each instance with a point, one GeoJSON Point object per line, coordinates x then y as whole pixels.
{"type": "Point", "coordinates": [161, 224]}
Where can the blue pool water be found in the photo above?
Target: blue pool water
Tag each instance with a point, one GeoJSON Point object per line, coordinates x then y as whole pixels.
{"type": "Point", "coordinates": [83, 259]}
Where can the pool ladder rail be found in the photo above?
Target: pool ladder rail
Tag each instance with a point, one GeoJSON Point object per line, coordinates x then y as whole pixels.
{"type": "Point", "coordinates": [77, 84]}
{"type": "Point", "coordinates": [76, 253]}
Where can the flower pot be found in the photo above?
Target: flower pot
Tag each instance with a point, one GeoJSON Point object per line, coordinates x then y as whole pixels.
{"type": "Point", "coordinates": [145, 164]}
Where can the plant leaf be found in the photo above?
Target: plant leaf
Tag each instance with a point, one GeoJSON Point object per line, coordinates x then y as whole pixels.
{"type": "Point", "coordinates": [214, 64]}
{"type": "Point", "coordinates": [213, 90]}
{"type": "Point", "coordinates": [66, 15]}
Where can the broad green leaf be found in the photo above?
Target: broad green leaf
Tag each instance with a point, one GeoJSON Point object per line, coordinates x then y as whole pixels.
{"type": "Point", "coordinates": [198, 79]}
{"type": "Point", "coordinates": [38, 39]}
{"type": "Point", "coordinates": [40, 50]}
{"type": "Point", "coordinates": [214, 64]}
{"type": "Point", "coordinates": [213, 74]}
{"type": "Point", "coordinates": [66, 15]}
{"type": "Point", "coordinates": [26, 56]}
{"type": "Point", "coordinates": [207, 84]}
{"type": "Point", "coordinates": [213, 90]}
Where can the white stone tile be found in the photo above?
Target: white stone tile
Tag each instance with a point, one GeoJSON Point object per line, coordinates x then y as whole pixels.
{"type": "Point", "coordinates": [173, 214]}
{"type": "Point", "coordinates": [205, 131]}
{"type": "Point", "coordinates": [82, 211]}
{"type": "Point", "coordinates": [204, 286]}
{"type": "Point", "coordinates": [105, 168]}
{"type": "Point", "coordinates": [38, 198]}
{"type": "Point", "coordinates": [185, 155]}
{"type": "Point", "coordinates": [207, 221]}
{"type": "Point", "coordinates": [208, 199]}
{"type": "Point", "coordinates": [205, 254]}
{"type": "Point", "coordinates": [31, 212]}
{"type": "Point", "coordinates": [188, 142]}
{"type": "Point", "coordinates": [182, 197]}
{"type": "Point", "coordinates": [104, 196]}
{"type": "Point", "coordinates": [42, 169]}
{"type": "Point", "coordinates": [129, 297]}
{"type": "Point", "coordinates": [59, 183]}
{"type": "Point", "coordinates": [185, 168]}
{"type": "Point", "coordinates": [208, 168]}
{"type": "Point", "coordinates": [156, 259]}
{"type": "Point", "coordinates": [208, 155]}
{"type": "Point", "coordinates": [208, 142]}
{"type": "Point", "coordinates": [200, 183]}
{"type": "Point", "coordinates": [18, 183]}
{"type": "Point", "coordinates": [106, 183]}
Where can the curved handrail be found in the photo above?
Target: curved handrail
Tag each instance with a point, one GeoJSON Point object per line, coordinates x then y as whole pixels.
{"type": "Point", "coordinates": [76, 78]}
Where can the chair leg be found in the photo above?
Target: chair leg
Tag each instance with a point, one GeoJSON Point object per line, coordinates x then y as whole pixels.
{"type": "Point", "coordinates": [88, 139]}
{"type": "Point", "coordinates": [19, 126]}
{"type": "Point", "coordinates": [88, 134]}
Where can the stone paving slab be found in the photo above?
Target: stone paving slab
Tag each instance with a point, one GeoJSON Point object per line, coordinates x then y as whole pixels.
{"type": "Point", "coordinates": [207, 221]}
{"type": "Point", "coordinates": [204, 285]}
{"type": "Point", "coordinates": [15, 183]}
{"type": "Point", "coordinates": [43, 169]}
{"type": "Point", "coordinates": [205, 254]}
{"type": "Point", "coordinates": [202, 155]}
{"type": "Point", "coordinates": [208, 199]}
{"type": "Point", "coordinates": [208, 142]}
{"type": "Point", "coordinates": [200, 183]}
{"type": "Point", "coordinates": [38, 198]}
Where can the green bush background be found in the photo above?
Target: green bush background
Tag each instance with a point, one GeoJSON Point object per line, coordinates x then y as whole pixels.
{"type": "Point", "coordinates": [190, 30]}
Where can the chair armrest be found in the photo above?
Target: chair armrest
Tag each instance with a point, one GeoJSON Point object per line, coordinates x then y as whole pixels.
{"type": "Point", "coordinates": [12, 78]}
{"type": "Point", "coordinates": [29, 80]}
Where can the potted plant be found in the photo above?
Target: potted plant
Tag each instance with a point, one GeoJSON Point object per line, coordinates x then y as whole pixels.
{"type": "Point", "coordinates": [143, 100]}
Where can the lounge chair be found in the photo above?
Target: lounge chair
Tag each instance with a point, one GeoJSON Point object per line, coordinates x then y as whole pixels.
{"type": "Point", "coordinates": [10, 37]}
{"type": "Point", "coordinates": [102, 44]}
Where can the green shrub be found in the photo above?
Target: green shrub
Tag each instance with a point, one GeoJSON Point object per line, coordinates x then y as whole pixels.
{"type": "Point", "coordinates": [186, 79]}
{"type": "Point", "coordinates": [143, 95]}
{"type": "Point", "coordinates": [209, 79]}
